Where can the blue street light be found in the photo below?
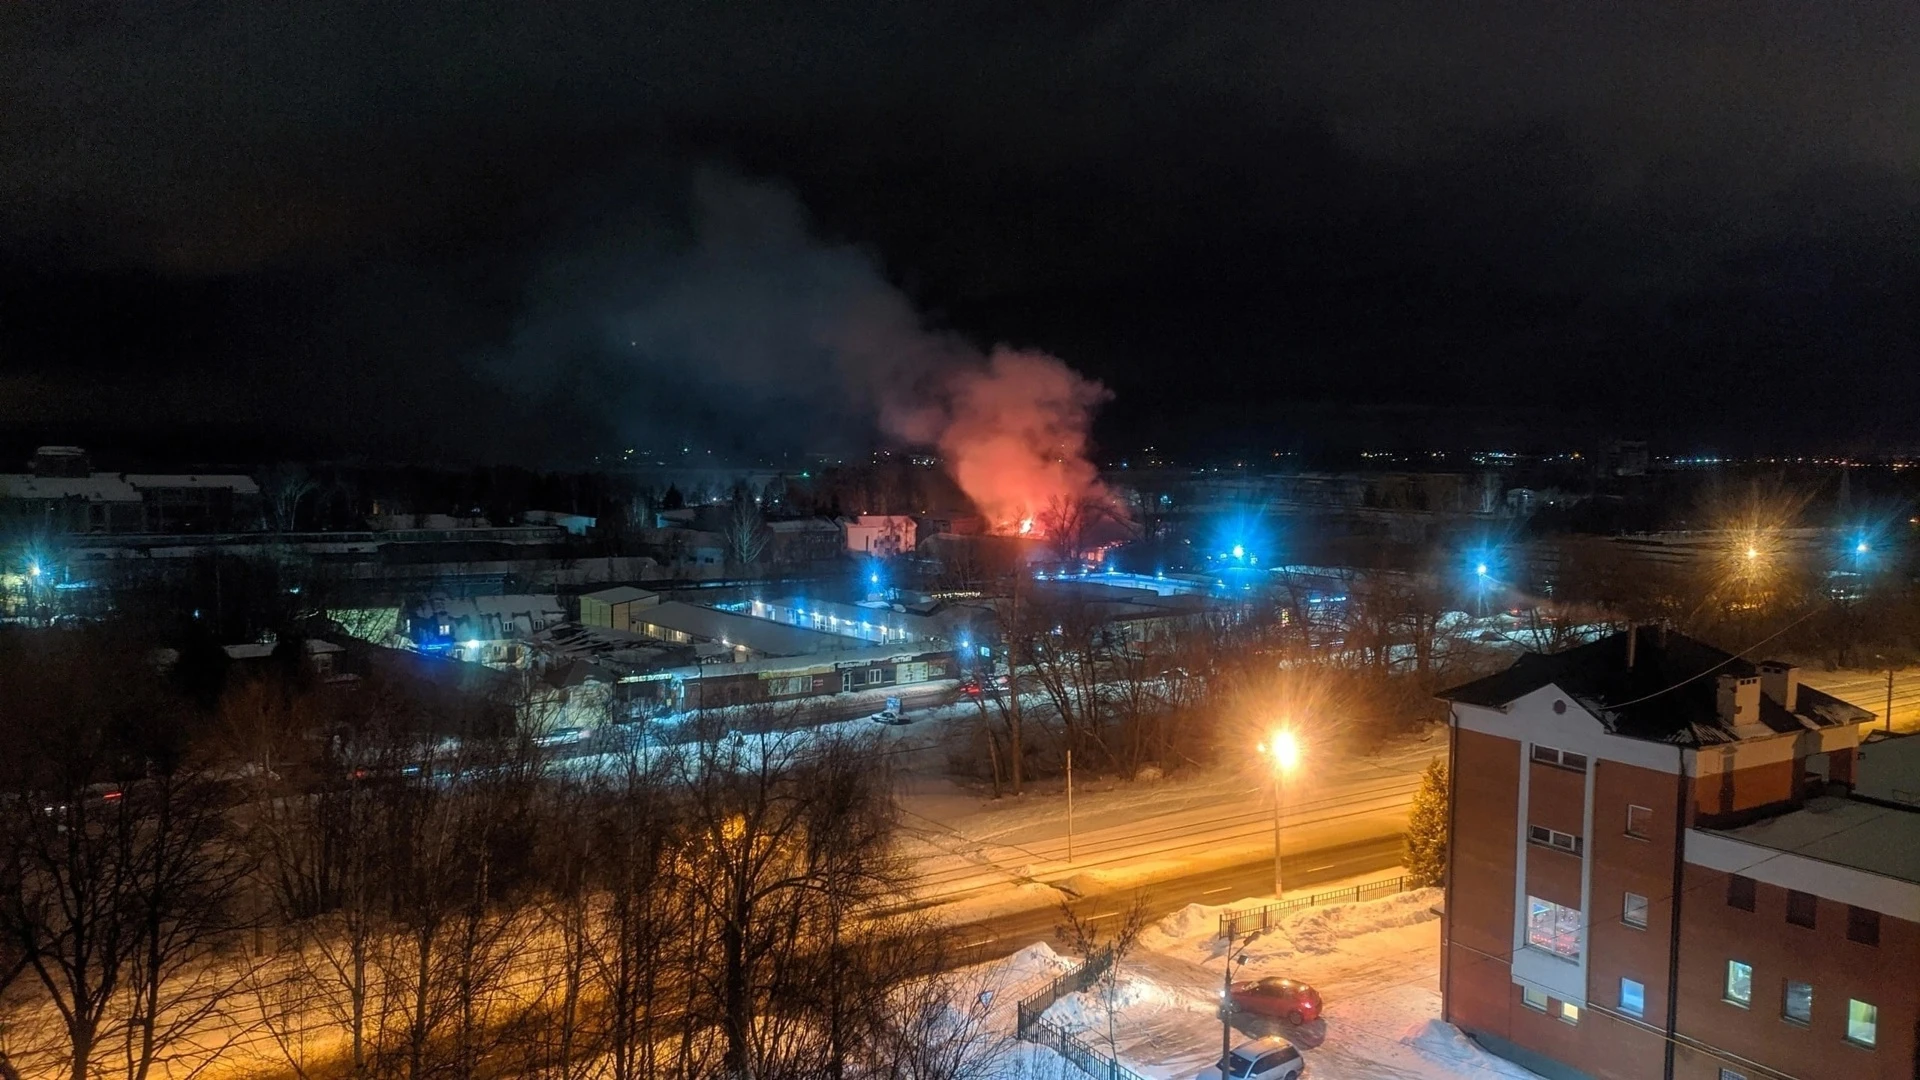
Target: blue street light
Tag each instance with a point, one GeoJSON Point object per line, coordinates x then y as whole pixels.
{"type": "Point", "coordinates": [1481, 570]}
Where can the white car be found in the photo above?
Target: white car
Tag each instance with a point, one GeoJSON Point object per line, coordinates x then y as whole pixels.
{"type": "Point", "coordinates": [888, 716]}
{"type": "Point", "coordinates": [1269, 1058]}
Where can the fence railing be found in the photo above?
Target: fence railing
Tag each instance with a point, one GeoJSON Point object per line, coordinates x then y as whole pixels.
{"type": "Point", "coordinates": [1071, 981]}
{"type": "Point", "coordinates": [1247, 920]}
{"type": "Point", "coordinates": [1077, 1050]}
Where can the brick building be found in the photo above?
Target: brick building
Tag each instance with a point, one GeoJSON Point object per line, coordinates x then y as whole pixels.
{"type": "Point", "coordinates": [1671, 862]}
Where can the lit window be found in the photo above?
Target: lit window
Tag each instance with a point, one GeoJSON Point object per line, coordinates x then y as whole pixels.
{"type": "Point", "coordinates": [1634, 911]}
{"type": "Point", "coordinates": [1639, 821]}
{"type": "Point", "coordinates": [1739, 983]}
{"type": "Point", "coordinates": [1569, 1013]}
{"type": "Point", "coordinates": [1729, 1074]}
{"type": "Point", "coordinates": [1863, 1023]}
{"type": "Point", "coordinates": [1633, 997]}
{"type": "Point", "coordinates": [1553, 928]}
{"type": "Point", "coordinates": [1533, 999]}
{"type": "Point", "coordinates": [1799, 1002]}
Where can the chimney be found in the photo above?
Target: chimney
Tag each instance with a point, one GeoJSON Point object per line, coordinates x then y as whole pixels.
{"type": "Point", "coordinates": [1737, 702]}
{"type": "Point", "coordinates": [1633, 639]}
{"type": "Point", "coordinates": [1781, 682]}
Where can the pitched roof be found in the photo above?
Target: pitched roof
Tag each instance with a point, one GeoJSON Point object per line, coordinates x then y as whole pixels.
{"type": "Point", "coordinates": [1669, 695]}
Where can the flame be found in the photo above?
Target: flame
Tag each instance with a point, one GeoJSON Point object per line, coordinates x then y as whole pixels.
{"type": "Point", "coordinates": [1026, 526]}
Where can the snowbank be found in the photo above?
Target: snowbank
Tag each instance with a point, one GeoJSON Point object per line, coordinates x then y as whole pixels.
{"type": "Point", "coordinates": [1444, 1043]}
{"type": "Point", "coordinates": [1192, 932]}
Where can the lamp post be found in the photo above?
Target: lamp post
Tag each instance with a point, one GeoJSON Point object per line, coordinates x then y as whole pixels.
{"type": "Point", "coordinates": [1283, 751]}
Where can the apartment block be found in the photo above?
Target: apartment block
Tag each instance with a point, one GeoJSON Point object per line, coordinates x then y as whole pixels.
{"type": "Point", "coordinates": [1669, 861]}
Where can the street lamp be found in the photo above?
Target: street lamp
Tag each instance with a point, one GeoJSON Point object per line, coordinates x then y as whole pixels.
{"type": "Point", "coordinates": [1283, 750]}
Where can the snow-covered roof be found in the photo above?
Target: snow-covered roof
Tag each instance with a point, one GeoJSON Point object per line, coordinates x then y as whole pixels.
{"type": "Point", "coordinates": [100, 487]}
{"type": "Point", "coordinates": [758, 635]}
{"type": "Point", "coordinates": [619, 594]}
{"type": "Point", "coordinates": [1882, 840]}
{"type": "Point", "coordinates": [243, 485]}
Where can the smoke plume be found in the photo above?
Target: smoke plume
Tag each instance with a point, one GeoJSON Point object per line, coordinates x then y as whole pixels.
{"type": "Point", "coordinates": [726, 316]}
{"type": "Point", "coordinates": [1012, 430]}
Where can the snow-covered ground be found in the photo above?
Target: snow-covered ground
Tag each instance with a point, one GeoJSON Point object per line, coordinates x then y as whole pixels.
{"type": "Point", "coordinates": [1375, 963]}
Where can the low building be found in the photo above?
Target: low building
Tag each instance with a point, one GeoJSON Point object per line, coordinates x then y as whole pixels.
{"type": "Point", "coordinates": [615, 608]}
{"type": "Point", "coordinates": [1664, 863]}
{"type": "Point", "coordinates": [881, 535]}
{"type": "Point", "coordinates": [61, 495]}
{"type": "Point", "coordinates": [741, 637]}
{"type": "Point", "coordinates": [491, 630]}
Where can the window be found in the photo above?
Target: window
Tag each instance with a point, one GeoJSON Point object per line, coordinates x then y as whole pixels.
{"type": "Point", "coordinates": [1739, 983]}
{"type": "Point", "coordinates": [1863, 1023]}
{"type": "Point", "coordinates": [1569, 1013]}
{"type": "Point", "coordinates": [1801, 908]}
{"type": "Point", "coordinates": [1633, 997]}
{"type": "Point", "coordinates": [1547, 755]}
{"type": "Point", "coordinates": [1553, 928]}
{"type": "Point", "coordinates": [1740, 892]}
{"type": "Point", "coordinates": [1798, 1006]}
{"type": "Point", "coordinates": [1533, 999]}
{"type": "Point", "coordinates": [1729, 1074]}
{"type": "Point", "coordinates": [1863, 925]}
{"type": "Point", "coordinates": [1639, 821]}
{"type": "Point", "coordinates": [1554, 838]}
{"type": "Point", "coordinates": [1634, 911]}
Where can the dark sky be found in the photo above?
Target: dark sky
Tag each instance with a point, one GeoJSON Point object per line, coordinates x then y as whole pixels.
{"type": "Point", "coordinates": [406, 229]}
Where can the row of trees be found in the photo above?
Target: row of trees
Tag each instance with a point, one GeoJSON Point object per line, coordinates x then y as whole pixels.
{"type": "Point", "coordinates": [719, 907]}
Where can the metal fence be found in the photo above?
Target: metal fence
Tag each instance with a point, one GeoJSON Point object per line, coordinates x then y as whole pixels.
{"type": "Point", "coordinates": [1071, 981]}
{"type": "Point", "coordinates": [1075, 1049]}
{"type": "Point", "coordinates": [1247, 920]}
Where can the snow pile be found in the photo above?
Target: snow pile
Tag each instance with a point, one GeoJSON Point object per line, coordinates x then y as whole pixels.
{"type": "Point", "coordinates": [1196, 926]}
{"type": "Point", "coordinates": [1193, 931]}
{"type": "Point", "coordinates": [1037, 963]}
{"type": "Point", "coordinates": [1314, 931]}
{"type": "Point", "coordinates": [1444, 1043]}
{"type": "Point", "coordinates": [1135, 997]}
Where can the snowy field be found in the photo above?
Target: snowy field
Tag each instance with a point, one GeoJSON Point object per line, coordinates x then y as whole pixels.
{"type": "Point", "coordinates": [1376, 965]}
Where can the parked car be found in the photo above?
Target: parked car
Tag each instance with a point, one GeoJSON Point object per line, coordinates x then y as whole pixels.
{"type": "Point", "coordinates": [888, 716]}
{"type": "Point", "coordinates": [1269, 1058]}
{"type": "Point", "coordinates": [566, 736]}
{"type": "Point", "coordinates": [1295, 1002]}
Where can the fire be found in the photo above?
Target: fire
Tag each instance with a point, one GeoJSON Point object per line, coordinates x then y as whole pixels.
{"type": "Point", "coordinates": [1026, 526]}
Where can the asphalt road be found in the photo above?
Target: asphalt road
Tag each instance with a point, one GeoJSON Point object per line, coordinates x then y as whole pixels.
{"type": "Point", "coordinates": [993, 938]}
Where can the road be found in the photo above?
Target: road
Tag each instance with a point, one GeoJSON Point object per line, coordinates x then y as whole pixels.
{"type": "Point", "coordinates": [1000, 935]}
{"type": "Point", "coordinates": [1868, 690]}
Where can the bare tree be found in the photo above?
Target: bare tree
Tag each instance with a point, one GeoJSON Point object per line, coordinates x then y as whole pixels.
{"type": "Point", "coordinates": [745, 531]}
{"type": "Point", "coordinates": [1081, 933]}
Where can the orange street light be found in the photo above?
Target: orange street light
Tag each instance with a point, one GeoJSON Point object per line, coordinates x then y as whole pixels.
{"type": "Point", "coordinates": [1284, 751]}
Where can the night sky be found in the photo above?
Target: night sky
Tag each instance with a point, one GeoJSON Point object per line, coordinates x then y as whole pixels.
{"type": "Point", "coordinates": [419, 230]}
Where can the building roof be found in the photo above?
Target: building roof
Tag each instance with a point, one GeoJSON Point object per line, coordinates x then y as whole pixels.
{"type": "Point", "coordinates": [100, 487]}
{"type": "Point", "coordinates": [757, 635]}
{"type": "Point", "coordinates": [619, 594]}
{"type": "Point", "coordinates": [1669, 695]}
{"type": "Point", "coordinates": [243, 485]}
{"type": "Point", "coordinates": [1882, 840]}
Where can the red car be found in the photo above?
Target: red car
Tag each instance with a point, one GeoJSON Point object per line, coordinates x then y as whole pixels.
{"type": "Point", "coordinates": [1295, 1002]}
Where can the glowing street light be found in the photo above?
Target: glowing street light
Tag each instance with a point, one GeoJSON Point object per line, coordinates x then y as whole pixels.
{"type": "Point", "coordinates": [1283, 750]}
{"type": "Point", "coordinates": [1860, 548]}
{"type": "Point", "coordinates": [1480, 570]}
{"type": "Point", "coordinates": [1239, 551]}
